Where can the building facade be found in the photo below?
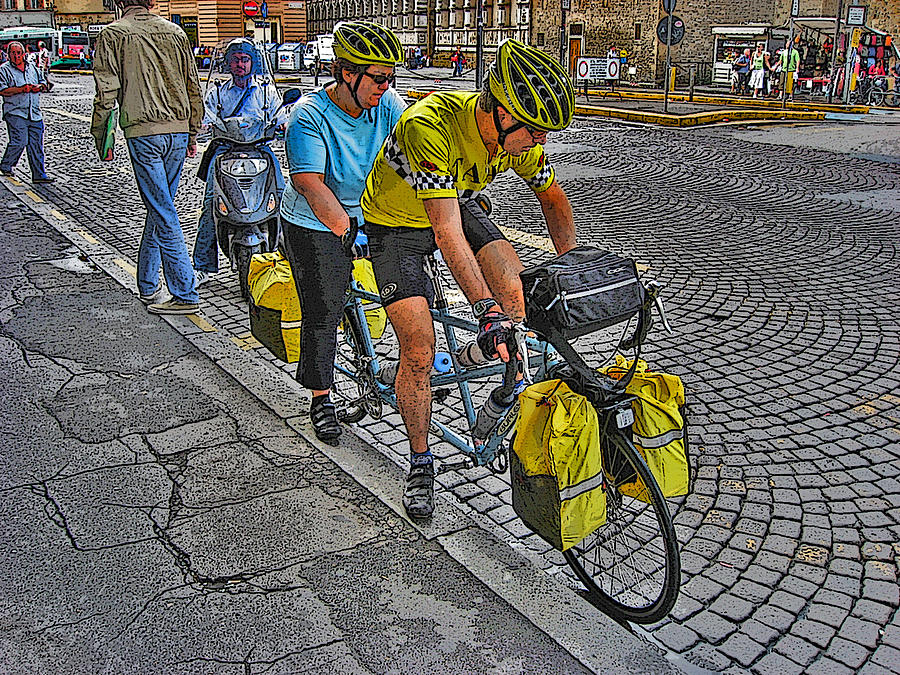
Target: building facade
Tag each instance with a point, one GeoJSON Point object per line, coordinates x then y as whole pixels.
{"type": "Point", "coordinates": [209, 22]}
{"type": "Point", "coordinates": [435, 26]}
{"type": "Point", "coordinates": [88, 15]}
{"type": "Point", "coordinates": [25, 13]}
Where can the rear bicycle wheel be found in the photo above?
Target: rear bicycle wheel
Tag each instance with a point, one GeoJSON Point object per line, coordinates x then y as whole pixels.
{"type": "Point", "coordinates": [876, 97]}
{"type": "Point", "coordinates": [630, 566]}
{"type": "Point", "coordinates": [352, 392]}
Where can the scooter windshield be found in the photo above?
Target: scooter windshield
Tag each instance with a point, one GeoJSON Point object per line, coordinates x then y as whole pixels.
{"type": "Point", "coordinates": [241, 129]}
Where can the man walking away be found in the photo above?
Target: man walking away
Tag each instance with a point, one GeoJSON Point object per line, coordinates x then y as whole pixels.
{"type": "Point", "coordinates": [43, 62]}
{"type": "Point", "coordinates": [144, 64]}
{"type": "Point", "coordinates": [20, 86]}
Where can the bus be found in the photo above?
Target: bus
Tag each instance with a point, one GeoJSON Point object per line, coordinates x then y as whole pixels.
{"type": "Point", "coordinates": [65, 45]}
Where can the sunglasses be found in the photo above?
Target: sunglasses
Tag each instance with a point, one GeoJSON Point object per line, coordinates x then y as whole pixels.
{"type": "Point", "coordinates": [381, 79]}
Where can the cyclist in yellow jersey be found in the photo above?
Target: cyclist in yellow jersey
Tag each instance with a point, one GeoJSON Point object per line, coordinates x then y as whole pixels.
{"type": "Point", "coordinates": [419, 196]}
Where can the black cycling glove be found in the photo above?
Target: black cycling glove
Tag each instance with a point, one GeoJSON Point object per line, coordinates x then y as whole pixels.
{"type": "Point", "coordinates": [348, 242]}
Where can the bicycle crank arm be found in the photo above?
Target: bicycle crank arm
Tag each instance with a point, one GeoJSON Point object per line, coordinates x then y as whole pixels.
{"type": "Point", "coordinates": [454, 466]}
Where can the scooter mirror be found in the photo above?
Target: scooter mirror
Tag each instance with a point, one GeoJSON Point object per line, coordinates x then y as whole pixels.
{"type": "Point", "coordinates": [290, 96]}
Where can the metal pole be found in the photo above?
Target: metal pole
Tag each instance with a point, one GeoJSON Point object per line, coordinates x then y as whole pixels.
{"type": "Point", "coordinates": [669, 20]}
{"type": "Point", "coordinates": [479, 43]}
{"type": "Point", "coordinates": [832, 80]}
{"type": "Point", "coordinates": [562, 37]}
{"type": "Point", "coordinates": [787, 64]}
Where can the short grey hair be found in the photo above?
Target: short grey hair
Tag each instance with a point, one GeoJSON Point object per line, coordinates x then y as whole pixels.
{"type": "Point", "coordinates": [125, 4]}
{"type": "Point", "coordinates": [486, 99]}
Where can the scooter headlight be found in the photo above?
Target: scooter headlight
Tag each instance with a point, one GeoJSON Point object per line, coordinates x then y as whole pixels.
{"type": "Point", "coordinates": [220, 204]}
{"type": "Point", "coordinates": [244, 168]}
{"type": "Point", "coordinates": [272, 203]}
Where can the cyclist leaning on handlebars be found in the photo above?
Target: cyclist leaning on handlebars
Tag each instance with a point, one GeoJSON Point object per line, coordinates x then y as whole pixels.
{"type": "Point", "coordinates": [419, 197]}
{"type": "Point", "coordinates": [332, 139]}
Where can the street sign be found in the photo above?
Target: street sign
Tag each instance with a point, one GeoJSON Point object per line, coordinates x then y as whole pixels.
{"type": "Point", "coordinates": [250, 8]}
{"type": "Point", "coordinates": [795, 7]}
{"type": "Point", "coordinates": [264, 10]}
{"type": "Point", "coordinates": [856, 15]}
{"type": "Point", "coordinates": [662, 29]}
{"type": "Point", "coordinates": [592, 68]}
{"type": "Point", "coordinates": [668, 6]}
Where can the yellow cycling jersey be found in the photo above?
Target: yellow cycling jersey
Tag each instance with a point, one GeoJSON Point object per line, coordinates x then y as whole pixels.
{"type": "Point", "coordinates": [436, 151]}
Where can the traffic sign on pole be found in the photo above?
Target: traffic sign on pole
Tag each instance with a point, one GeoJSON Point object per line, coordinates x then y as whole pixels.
{"type": "Point", "coordinates": [250, 8]}
{"type": "Point", "coordinates": [668, 6]}
{"type": "Point", "coordinates": [662, 30]}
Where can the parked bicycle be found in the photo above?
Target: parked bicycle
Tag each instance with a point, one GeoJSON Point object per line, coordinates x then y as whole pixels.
{"type": "Point", "coordinates": [629, 567]}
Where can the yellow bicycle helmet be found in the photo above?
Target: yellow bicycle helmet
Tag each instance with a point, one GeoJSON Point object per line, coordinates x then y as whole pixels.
{"type": "Point", "coordinates": [366, 43]}
{"type": "Point", "coordinates": [532, 86]}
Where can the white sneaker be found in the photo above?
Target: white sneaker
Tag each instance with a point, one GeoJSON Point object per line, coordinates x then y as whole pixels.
{"type": "Point", "coordinates": [161, 294]}
{"type": "Point", "coordinates": [202, 276]}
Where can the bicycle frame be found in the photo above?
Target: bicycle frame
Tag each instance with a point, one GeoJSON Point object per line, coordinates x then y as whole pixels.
{"type": "Point", "coordinates": [479, 453]}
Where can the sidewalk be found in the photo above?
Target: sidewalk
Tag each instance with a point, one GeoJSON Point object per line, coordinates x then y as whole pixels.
{"type": "Point", "coordinates": [159, 518]}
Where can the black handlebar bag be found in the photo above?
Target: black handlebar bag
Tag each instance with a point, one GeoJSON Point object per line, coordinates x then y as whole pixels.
{"type": "Point", "coordinates": [581, 292]}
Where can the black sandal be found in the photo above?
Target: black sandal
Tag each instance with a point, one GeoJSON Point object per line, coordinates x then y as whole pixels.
{"type": "Point", "coordinates": [324, 421]}
{"type": "Point", "coordinates": [418, 496]}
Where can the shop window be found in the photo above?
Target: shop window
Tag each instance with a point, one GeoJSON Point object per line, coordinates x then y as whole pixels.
{"type": "Point", "coordinates": [9, 4]}
{"type": "Point", "coordinates": [576, 29]}
{"type": "Point", "coordinates": [35, 4]}
{"type": "Point", "coordinates": [637, 31]}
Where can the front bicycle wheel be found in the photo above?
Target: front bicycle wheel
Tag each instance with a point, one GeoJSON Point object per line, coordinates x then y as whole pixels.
{"type": "Point", "coordinates": [630, 566]}
{"type": "Point", "coordinates": [876, 97]}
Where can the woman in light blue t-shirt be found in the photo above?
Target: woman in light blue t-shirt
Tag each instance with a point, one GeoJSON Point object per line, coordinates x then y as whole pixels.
{"type": "Point", "coordinates": [332, 139]}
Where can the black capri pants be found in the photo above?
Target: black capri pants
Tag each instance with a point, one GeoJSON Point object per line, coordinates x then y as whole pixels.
{"type": "Point", "coordinates": [321, 272]}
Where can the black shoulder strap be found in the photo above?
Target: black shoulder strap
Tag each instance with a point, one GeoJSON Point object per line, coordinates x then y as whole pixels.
{"type": "Point", "coordinates": [240, 103]}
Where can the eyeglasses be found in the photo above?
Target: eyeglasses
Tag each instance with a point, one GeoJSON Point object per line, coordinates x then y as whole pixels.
{"type": "Point", "coordinates": [381, 79]}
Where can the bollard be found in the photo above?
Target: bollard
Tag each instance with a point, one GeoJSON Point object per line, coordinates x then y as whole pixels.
{"type": "Point", "coordinates": [691, 75]}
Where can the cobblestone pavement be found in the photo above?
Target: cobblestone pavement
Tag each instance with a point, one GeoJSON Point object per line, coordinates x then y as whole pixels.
{"type": "Point", "coordinates": [782, 271]}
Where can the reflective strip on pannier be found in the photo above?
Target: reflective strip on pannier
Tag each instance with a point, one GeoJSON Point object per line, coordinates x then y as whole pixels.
{"type": "Point", "coordinates": [275, 316]}
{"type": "Point", "coordinates": [558, 484]}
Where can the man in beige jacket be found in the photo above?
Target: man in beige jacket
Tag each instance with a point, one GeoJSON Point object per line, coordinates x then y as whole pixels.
{"type": "Point", "coordinates": [144, 64]}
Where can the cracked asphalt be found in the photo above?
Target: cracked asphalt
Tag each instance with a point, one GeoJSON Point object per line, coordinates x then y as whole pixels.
{"type": "Point", "coordinates": [779, 246]}
{"type": "Point", "coordinates": [157, 518]}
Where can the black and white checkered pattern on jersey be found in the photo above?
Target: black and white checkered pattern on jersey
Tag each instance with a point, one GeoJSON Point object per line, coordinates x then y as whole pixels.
{"type": "Point", "coordinates": [541, 177]}
{"type": "Point", "coordinates": [418, 180]}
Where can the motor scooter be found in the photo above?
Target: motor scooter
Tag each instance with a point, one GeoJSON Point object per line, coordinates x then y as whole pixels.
{"type": "Point", "coordinates": [246, 199]}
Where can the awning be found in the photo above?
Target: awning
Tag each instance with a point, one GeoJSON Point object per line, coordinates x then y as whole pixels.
{"type": "Point", "coordinates": [825, 24]}
{"type": "Point", "coordinates": [748, 30]}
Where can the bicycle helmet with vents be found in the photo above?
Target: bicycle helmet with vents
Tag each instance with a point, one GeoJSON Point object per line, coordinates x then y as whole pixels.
{"type": "Point", "coordinates": [532, 86]}
{"type": "Point", "coordinates": [366, 43]}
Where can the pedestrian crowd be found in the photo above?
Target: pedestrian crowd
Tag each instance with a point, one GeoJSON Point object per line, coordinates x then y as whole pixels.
{"type": "Point", "coordinates": [760, 74]}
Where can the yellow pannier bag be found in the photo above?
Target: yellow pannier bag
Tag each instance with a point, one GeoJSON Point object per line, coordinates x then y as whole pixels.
{"type": "Point", "coordinates": [558, 485]}
{"type": "Point", "coordinates": [659, 430]}
{"type": "Point", "coordinates": [275, 311]}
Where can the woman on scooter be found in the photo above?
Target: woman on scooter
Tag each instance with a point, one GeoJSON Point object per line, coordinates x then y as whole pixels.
{"type": "Point", "coordinates": [332, 138]}
{"type": "Point", "coordinates": [252, 97]}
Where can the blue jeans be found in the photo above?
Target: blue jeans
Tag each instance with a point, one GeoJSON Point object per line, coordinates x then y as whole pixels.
{"type": "Point", "coordinates": [24, 134]}
{"type": "Point", "coordinates": [157, 162]}
{"type": "Point", "coordinates": [206, 255]}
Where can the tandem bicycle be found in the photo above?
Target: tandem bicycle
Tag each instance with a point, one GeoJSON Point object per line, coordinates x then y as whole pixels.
{"type": "Point", "coordinates": [630, 566]}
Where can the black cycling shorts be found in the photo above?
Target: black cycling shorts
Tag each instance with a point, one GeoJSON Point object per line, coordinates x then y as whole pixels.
{"type": "Point", "coordinates": [398, 253]}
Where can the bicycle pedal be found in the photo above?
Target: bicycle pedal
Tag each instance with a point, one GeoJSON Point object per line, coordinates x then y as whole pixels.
{"type": "Point", "coordinates": [440, 395]}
